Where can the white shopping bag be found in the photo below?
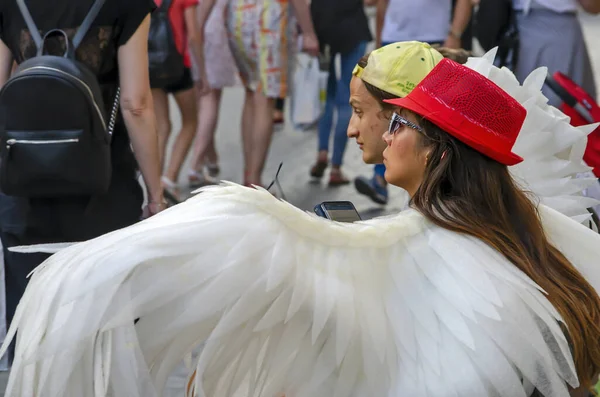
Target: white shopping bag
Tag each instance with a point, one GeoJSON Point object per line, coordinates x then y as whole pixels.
{"type": "Point", "coordinates": [306, 94]}
{"type": "Point", "coordinates": [323, 80]}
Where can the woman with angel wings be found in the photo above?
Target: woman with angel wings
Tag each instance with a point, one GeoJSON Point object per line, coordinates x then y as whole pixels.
{"type": "Point", "coordinates": [478, 289]}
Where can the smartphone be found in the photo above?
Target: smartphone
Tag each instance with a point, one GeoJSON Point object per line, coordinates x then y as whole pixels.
{"type": "Point", "coordinates": [340, 211]}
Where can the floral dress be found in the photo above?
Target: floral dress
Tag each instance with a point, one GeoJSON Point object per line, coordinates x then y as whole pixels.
{"type": "Point", "coordinates": [262, 39]}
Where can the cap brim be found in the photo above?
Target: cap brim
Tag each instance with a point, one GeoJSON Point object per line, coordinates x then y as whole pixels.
{"type": "Point", "coordinates": [408, 103]}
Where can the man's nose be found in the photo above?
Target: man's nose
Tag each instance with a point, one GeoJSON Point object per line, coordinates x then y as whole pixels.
{"type": "Point", "coordinates": [387, 137]}
{"type": "Point", "coordinates": [352, 131]}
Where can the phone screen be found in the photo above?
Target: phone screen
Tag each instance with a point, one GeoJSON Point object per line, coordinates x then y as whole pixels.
{"type": "Point", "coordinates": [340, 211]}
{"type": "Point", "coordinates": [343, 215]}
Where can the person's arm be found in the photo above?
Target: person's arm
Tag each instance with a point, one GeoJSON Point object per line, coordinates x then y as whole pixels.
{"type": "Point", "coordinates": [193, 40]}
{"type": "Point", "coordinates": [310, 43]}
{"type": "Point", "coordinates": [591, 6]}
{"type": "Point", "coordinates": [382, 6]}
{"type": "Point", "coordinates": [138, 111]}
{"type": "Point", "coordinates": [6, 63]}
{"type": "Point", "coordinates": [462, 15]}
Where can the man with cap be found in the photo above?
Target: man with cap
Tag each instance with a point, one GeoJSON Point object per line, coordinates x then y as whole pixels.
{"type": "Point", "coordinates": [437, 22]}
{"type": "Point", "coordinates": [389, 72]}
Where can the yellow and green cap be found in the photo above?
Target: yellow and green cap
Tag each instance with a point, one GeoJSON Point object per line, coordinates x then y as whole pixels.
{"type": "Point", "coordinates": [397, 68]}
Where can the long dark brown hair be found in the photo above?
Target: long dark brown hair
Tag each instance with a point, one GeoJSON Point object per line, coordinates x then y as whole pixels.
{"type": "Point", "coordinates": [467, 192]}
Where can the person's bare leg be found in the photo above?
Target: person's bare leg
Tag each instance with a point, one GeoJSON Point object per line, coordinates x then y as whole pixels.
{"type": "Point", "coordinates": [247, 131]}
{"type": "Point", "coordinates": [208, 116]}
{"type": "Point", "coordinates": [212, 157]}
{"type": "Point", "coordinates": [261, 136]}
{"type": "Point", "coordinates": [186, 101]}
{"type": "Point", "coordinates": [163, 122]}
{"type": "Point", "coordinates": [278, 116]}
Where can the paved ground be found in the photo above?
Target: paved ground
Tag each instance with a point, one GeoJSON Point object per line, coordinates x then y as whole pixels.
{"type": "Point", "coordinates": [297, 151]}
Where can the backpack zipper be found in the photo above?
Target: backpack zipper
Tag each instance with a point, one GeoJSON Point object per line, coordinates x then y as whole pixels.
{"type": "Point", "coordinates": [89, 90]}
{"type": "Point", "coordinates": [12, 142]}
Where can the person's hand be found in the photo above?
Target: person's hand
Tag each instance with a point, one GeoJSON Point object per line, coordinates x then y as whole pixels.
{"type": "Point", "coordinates": [154, 207]}
{"type": "Point", "coordinates": [452, 42]}
{"type": "Point", "coordinates": [457, 55]}
{"type": "Point", "coordinates": [310, 44]}
{"type": "Point", "coordinates": [202, 85]}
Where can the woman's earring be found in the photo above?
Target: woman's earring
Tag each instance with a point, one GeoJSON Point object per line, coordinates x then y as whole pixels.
{"type": "Point", "coordinates": [443, 155]}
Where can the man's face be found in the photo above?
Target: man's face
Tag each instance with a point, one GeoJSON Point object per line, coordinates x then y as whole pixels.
{"type": "Point", "coordinates": [368, 122]}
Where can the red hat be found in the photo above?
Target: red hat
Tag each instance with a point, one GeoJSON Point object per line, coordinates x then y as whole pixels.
{"type": "Point", "coordinates": [469, 107]}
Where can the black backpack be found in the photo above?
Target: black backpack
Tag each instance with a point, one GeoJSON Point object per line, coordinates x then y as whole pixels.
{"type": "Point", "coordinates": [165, 61]}
{"type": "Point", "coordinates": [54, 134]}
{"type": "Point", "coordinates": [340, 24]}
{"type": "Point", "coordinates": [495, 25]}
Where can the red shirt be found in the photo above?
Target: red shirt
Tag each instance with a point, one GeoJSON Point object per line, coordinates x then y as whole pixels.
{"type": "Point", "coordinates": [176, 15]}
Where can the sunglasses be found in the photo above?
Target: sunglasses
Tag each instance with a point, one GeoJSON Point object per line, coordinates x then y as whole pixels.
{"type": "Point", "coordinates": [398, 122]}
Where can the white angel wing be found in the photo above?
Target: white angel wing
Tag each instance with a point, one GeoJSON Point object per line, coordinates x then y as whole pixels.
{"type": "Point", "coordinates": [552, 149]}
{"type": "Point", "coordinates": [579, 246]}
{"type": "Point", "coordinates": [286, 303]}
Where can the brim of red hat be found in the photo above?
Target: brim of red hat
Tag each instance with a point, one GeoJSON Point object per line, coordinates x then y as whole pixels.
{"type": "Point", "coordinates": [437, 118]}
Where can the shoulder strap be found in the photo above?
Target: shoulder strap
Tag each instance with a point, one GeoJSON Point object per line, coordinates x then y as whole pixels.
{"type": "Point", "coordinates": [33, 30]}
{"type": "Point", "coordinates": [87, 22]}
{"type": "Point", "coordinates": [83, 29]}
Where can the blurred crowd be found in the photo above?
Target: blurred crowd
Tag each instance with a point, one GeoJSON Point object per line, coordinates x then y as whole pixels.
{"type": "Point", "coordinates": [530, 33]}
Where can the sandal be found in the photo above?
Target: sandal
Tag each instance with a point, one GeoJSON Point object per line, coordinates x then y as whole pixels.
{"type": "Point", "coordinates": [198, 179]}
{"type": "Point", "coordinates": [170, 191]}
{"type": "Point", "coordinates": [337, 178]}
{"type": "Point", "coordinates": [212, 169]}
{"type": "Point", "coordinates": [278, 117]}
{"type": "Point", "coordinates": [318, 170]}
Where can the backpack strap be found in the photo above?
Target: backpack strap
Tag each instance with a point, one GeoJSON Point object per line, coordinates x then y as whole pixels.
{"type": "Point", "coordinates": [83, 29]}
{"type": "Point", "coordinates": [33, 30]}
{"type": "Point", "coordinates": [87, 23]}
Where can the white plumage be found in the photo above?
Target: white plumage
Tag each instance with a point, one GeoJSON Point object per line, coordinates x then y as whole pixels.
{"type": "Point", "coordinates": [288, 303]}
{"type": "Point", "coordinates": [552, 149]}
